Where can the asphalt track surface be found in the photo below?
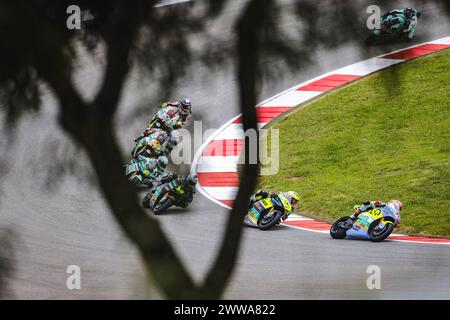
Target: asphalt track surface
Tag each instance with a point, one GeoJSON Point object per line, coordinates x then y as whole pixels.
{"type": "Point", "coordinates": [50, 228]}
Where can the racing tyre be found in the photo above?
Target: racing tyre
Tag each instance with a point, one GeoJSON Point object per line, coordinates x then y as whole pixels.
{"type": "Point", "coordinates": [336, 230]}
{"type": "Point", "coordinates": [378, 235]}
{"type": "Point", "coordinates": [163, 205]}
{"type": "Point", "coordinates": [270, 220]}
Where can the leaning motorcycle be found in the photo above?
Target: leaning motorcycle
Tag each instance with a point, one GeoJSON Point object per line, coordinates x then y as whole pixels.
{"type": "Point", "coordinates": [167, 195]}
{"type": "Point", "coordinates": [267, 213]}
{"type": "Point", "coordinates": [166, 119]}
{"type": "Point", "coordinates": [391, 27]}
{"type": "Point", "coordinates": [137, 171]}
{"type": "Point", "coordinates": [375, 225]}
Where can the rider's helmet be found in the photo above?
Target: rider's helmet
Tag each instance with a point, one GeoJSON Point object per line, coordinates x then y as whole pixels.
{"type": "Point", "coordinates": [293, 197]}
{"type": "Point", "coordinates": [162, 162]}
{"type": "Point", "coordinates": [409, 12]}
{"type": "Point", "coordinates": [185, 105]}
{"type": "Point", "coordinates": [397, 204]}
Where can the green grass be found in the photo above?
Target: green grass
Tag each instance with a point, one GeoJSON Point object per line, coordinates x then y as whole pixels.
{"type": "Point", "coordinates": [385, 136]}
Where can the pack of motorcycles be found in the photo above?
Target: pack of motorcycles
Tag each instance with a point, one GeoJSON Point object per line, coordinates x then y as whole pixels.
{"type": "Point", "coordinates": [149, 160]}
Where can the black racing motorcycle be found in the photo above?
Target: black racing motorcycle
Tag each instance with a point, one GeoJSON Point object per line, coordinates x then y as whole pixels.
{"type": "Point", "coordinates": [173, 191]}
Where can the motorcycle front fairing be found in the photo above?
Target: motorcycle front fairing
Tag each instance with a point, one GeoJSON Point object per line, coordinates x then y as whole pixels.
{"type": "Point", "coordinates": [133, 166]}
{"type": "Point", "coordinates": [391, 212]}
{"type": "Point", "coordinates": [158, 193]}
{"type": "Point", "coordinates": [360, 229]}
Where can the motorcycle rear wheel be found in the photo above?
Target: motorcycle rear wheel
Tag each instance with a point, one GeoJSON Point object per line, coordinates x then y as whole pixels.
{"type": "Point", "coordinates": [336, 231]}
{"type": "Point", "coordinates": [163, 205]}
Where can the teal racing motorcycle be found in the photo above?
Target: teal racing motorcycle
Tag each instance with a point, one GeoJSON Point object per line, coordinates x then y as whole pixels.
{"type": "Point", "coordinates": [375, 225]}
{"type": "Point", "coordinates": [391, 28]}
{"type": "Point", "coordinates": [144, 171]}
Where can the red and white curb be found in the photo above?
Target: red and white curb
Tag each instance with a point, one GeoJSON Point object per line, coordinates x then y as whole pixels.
{"type": "Point", "coordinates": [215, 163]}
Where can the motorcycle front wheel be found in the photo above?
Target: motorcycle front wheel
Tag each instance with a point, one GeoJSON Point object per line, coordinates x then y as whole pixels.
{"type": "Point", "coordinates": [337, 231]}
{"type": "Point", "coordinates": [163, 205]}
{"type": "Point", "coordinates": [270, 220]}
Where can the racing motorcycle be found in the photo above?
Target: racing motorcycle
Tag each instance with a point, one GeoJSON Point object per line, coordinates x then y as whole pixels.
{"type": "Point", "coordinates": [153, 145]}
{"type": "Point", "coordinates": [269, 212]}
{"type": "Point", "coordinates": [138, 173]}
{"type": "Point", "coordinates": [166, 120]}
{"type": "Point", "coordinates": [376, 224]}
{"type": "Point", "coordinates": [391, 28]}
{"type": "Point", "coordinates": [170, 193]}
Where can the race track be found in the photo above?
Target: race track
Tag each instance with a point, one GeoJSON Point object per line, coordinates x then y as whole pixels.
{"type": "Point", "coordinates": [69, 224]}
